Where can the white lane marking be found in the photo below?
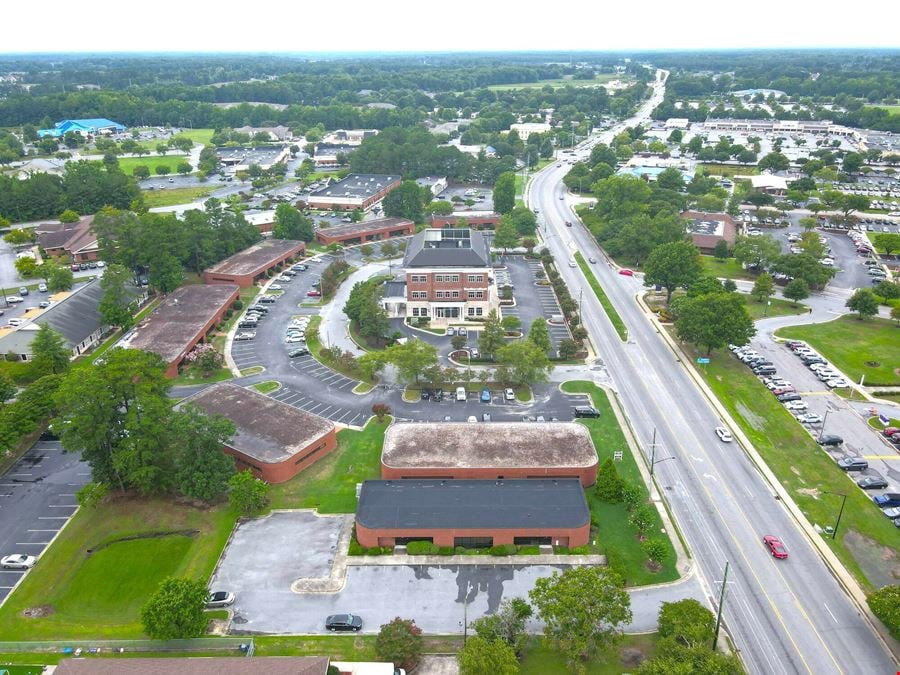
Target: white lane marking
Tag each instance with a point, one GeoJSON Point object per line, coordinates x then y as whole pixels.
{"type": "Point", "coordinates": [829, 613]}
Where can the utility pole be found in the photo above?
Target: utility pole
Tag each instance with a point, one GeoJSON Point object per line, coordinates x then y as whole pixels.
{"type": "Point", "coordinates": [822, 429]}
{"type": "Point", "coordinates": [719, 613]}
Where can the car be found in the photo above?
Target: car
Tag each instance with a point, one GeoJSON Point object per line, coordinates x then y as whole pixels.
{"type": "Point", "coordinates": [562, 197]}
{"type": "Point", "coordinates": [872, 483]}
{"type": "Point", "coordinates": [220, 599]}
{"type": "Point", "coordinates": [462, 331]}
{"type": "Point", "coordinates": [724, 435]}
{"type": "Point", "coordinates": [299, 351]}
{"type": "Point", "coordinates": [425, 395]}
{"type": "Point", "coordinates": [283, 279]}
{"type": "Point", "coordinates": [17, 561]}
{"type": "Point", "coordinates": [294, 339]}
{"type": "Point", "coordinates": [888, 499]}
{"type": "Point", "coordinates": [592, 260]}
{"type": "Point", "coordinates": [809, 418]}
{"type": "Point", "coordinates": [486, 395]}
{"type": "Point", "coordinates": [13, 299]}
{"type": "Point", "coordinates": [245, 335]}
{"type": "Point", "coordinates": [776, 548]}
{"type": "Point", "coordinates": [784, 390]}
{"type": "Point", "coordinates": [74, 267]}
{"type": "Point", "coordinates": [313, 293]}
{"type": "Point", "coordinates": [275, 287]}
{"type": "Point", "coordinates": [787, 398]}
{"type": "Point", "coordinates": [44, 304]}
{"type": "Point", "coordinates": [830, 439]}
{"type": "Point", "coordinates": [100, 263]}
{"type": "Point", "coordinates": [461, 394]}
{"type": "Point", "coordinates": [42, 288]}
{"type": "Point", "coordinates": [625, 272]}
{"type": "Point", "coordinates": [343, 622]}
{"type": "Point", "coordinates": [586, 411]}
{"type": "Point", "coordinates": [568, 223]}
{"type": "Point", "coordinates": [15, 323]}
{"type": "Point", "coordinates": [485, 417]}
{"type": "Point", "coordinates": [837, 383]}
{"type": "Point", "coordinates": [852, 464]}
{"type": "Point", "coordinates": [893, 513]}
{"type": "Point", "coordinates": [23, 291]}
{"type": "Point", "coordinates": [437, 396]}
{"type": "Point", "coordinates": [451, 331]}
{"type": "Point", "coordinates": [799, 406]}
{"type": "Point", "coordinates": [887, 432]}
{"type": "Point", "coordinates": [267, 299]}
{"type": "Point", "coordinates": [472, 419]}
{"type": "Point", "coordinates": [509, 395]}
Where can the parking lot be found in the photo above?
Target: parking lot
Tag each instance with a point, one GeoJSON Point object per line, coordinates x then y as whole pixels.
{"type": "Point", "coordinates": [37, 498]}
{"type": "Point", "coordinates": [533, 301]}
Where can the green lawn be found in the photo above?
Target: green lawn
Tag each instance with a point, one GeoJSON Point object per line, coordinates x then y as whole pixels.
{"type": "Point", "coordinates": [727, 269]}
{"type": "Point", "coordinates": [778, 307]}
{"type": "Point", "coordinates": [540, 659]}
{"type": "Point", "coordinates": [314, 345]}
{"type": "Point", "coordinates": [193, 375]}
{"type": "Point", "coordinates": [99, 594]}
{"type": "Point", "coordinates": [266, 387]}
{"type": "Point", "coordinates": [201, 136]}
{"type": "Point", "coordinates": [154, 198]}
{"type": "Point", "coordinates": [803, 468]}
{"type": "Point", "coordinates": [607, 305]}
{"type": "Point", "coordinates": [893, 109]}
{"type": "Point", "coordinates": [727, 170]}
{"type": "Point", "coordinates": [128, 164]}
{"type": "Point", "coordinates": [613, 531]}
{"type": "Point", "coordinates": [330, 484]}
{"type": "Point", "coordinates": [858, 348]}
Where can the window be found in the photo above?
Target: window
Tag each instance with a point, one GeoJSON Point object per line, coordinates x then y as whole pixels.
{"type": "Point", "coordinates": [439, 295]}
{"type": "Point", "coordinates": [446, 278]}
{"type": "Point", "coordinates": [475, 295]}
{"type": "Point", "coordinates": [420, 295]}
{"type": "Point", "coordinates": [312, 452]}
{"type": "Point", "coordinates": [473, 542]}
{"type": "Point", "coordinates": [418, 279]}
{"type": "Point", "coordinates": [475, 311]}
{"type": "Point", "coordinates": [476, 278]}
{"type": "Point", "coordinates": [454, 294]}
{"type": "Point", "coordinates": [420, 311]}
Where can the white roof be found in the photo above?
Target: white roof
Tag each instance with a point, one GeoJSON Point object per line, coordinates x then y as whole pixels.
{"type": "Point", "coordinates": [768, 181]}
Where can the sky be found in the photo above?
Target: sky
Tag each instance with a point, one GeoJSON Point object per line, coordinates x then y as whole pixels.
{"type": "Point", "coordinates": [452, 25]}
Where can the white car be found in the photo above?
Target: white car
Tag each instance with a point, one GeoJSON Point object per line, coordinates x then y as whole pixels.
{"type": "Point", "coordinates": [292, 339]}
{"type": "Point", "coordinates": [836, 383]}
{"type": "Point", "coordinates": [796, 405]}
{"type": "Point", "coordinates": [724, 435]}
{"type": "Point", "coordinates": [13, 299]}
{"type": "Point", "coordinates": [14, 323]}
{"type": "Point", "coordinates": [509, 395]}
{"type": "Point", "coordinates": [828, 262]}
{"type": "Point", "coordinates": [18, 561]}
{"type": "Point", "coordinates": [275, 287]}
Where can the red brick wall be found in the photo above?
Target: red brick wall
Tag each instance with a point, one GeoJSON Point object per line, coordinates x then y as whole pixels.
{"type": "Point", "coordinates": [478, 222]}
{"type": "Point", "coordinates": [571, 537]}
{"type": "Point", "coordinates": [280, 472]}
{"type": "Point", "coordinates": [587, 475]}
{"type": "Point", "coordinates": [381, 233]}
{"type": "Point", "coordinates": [430, 286]}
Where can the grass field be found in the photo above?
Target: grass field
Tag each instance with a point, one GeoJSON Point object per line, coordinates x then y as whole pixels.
{"type": "Point", "coordinates": [541, 660]}
{"type": "Point", "coordinates": [727, 170]}
{"type": "Point", "coordinates": [778, 307]}
{"type": "Point", "coordinates": [201, 136]}
{"type": "Point", "coordinates": [614, 533]}
{"type": "Point", "coordinates": [725, 269]}
{"type": "Point", "coordinates": [154, 198]}
{"type": "Point", "coordinates": [893, 109]}
{"type": "Point", "coordinates": [600, 78]}
{"type": "Point", "coordinates": [266, 387]}
{"type": "Point", "coordinates": [605, 302]}
{"type": "Point", "coordinates": [856, 347]}
{"type": "Point", "coordinates": [89, 590]}
{"type": "Point", "coordinates": [128, 164]}
{"type": "Point", "coordinates": [330, 484]}
{"type": "Point", "coordinates": [804, 469]}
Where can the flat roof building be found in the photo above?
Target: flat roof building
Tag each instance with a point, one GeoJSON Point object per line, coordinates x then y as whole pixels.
{"type": "Point", "coordinates": [206, 665]}
{"type": "Point", "coordinates": [181, 321]}
{"type": "Point", "coordinates": [356, 191]}
{"type": "Point", "coordinates": [85, 127]}
{"type": "Point", "coordinates": [473, 513]}
{"type": "Point", "coordinates": [245, 267]}
{"type": "Point", "coordinates": [274, 440]}
{"type": "Point", "coordinates": [525, 129]}
{"type": "Point", "coordinates": [708, 229]}
{"type": "Point", "coordinates": [366, 231]}
{"type": "Point", "coordinates": [478, 220]}
{"type": "Point", "coordinates": [489, 451]}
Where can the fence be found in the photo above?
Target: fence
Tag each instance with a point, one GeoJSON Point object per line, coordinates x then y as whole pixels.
{"type": "Point", "coordinates": [104, 646]}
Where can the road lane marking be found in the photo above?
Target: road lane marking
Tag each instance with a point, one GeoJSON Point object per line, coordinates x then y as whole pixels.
{"type": "Point", "coordinates": [829, 612]}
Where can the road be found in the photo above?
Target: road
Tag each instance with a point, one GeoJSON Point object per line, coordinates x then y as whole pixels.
{"type": "Point", "coordinates": [784, 616]}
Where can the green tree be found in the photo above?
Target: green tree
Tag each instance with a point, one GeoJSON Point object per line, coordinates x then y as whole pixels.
{"type": "Point", "coordinates": [291, 224]}
{"type": "Point", "coordinates": [670, 179]}
{"type": "Point", "coordinates": [487, 657]}
{"type": "Point", "coordinates": [756, 252]}
{"type": "Point", "coordinates": [582, 609]}
{"type": "Point", "coordinates": [806, 267]}
{"type": "Point", "coordinates": [539, 334]}
{"type": "Point", "coordinates": [885, 604]}
{"type": "Point", "coordinates": [851, 203]}
{"type": "Point", "coordinates": [491, 338]}
{"type": "Point", "coordinates": [117, 304]}
{"type": "Point", "coordinates": [888, 242]}
{"type": "Point", "coordinates": [526, 362]}
{"type": "Point", "coordinates": [59, 278]}
{"type": "Point", "coordinates": [889, 290]}
{"type": "Point", "coordinates": [642, 518]}
{"type": "Point", "coordinates": [439, 207]}
{"type": "Point", "coordinates": [523, 220]}
{"type": "Point", "coordinates": [621, 197]}
{"type": "Point", "coordinates": [505, 236]}
{"type": "Point", "coordinates": [609, 482]}
{"type": "Point", "coordinates": [412, 358]}
{"type": "Point", "coordinates": [18, 236]}
{"type": "Point", "coordinates": [672, 265]}
{"type": "Point", "coordinates": [388, 249]}
{"type": "Point", "coordinates": [69, 216]}
{"type": "Point", "coordinates": [247, 494]}
{"type": "Point", "coordinates": [567, 349]}
{"type": "Point", "coordinates": [202, 468]}
{"type": "Point", "coordinates": [141, 172]}
{"type": "Point", "coordinates": [27, 267]}
{"type": "Point", "coordinates": [864, 303]}
{"type": "Point", "coordinates": [50, 355]}
{"type": "Point", "coordinates": [713, 320]}
{"type": "Point", "coordinates": [686, 622]}
{"type": "Point", "coordinates": [162, 170]}
{"type": "Point", "coordinates": [400, 641]}
{"type": "Point", "coordinates": [721, 251]}
{"type": "Point", "coordinates": [405, 201]}
{"type": "Point", "coordinates": [506, 624]}
{"type": "Point", "coordinates": [811, 245]}
{"type": "Point", "coordinates": [92, 494]}
{"type": "Point", "coordinates": [895, 313]}
{"type": "Point", "coordinates": [504, 194]}
{"type": "Point", "coordinates": [796, 290]}
{"type": "Point", "coordinates": [458, 341]}
{"type": "Point", "coordinates": [175, 611]}
{"type": "Point", "coordinates": [656, 551]}
{"type": "Point", "coordinates": [763, 287]}
{"type": "Point", "coordinates": [808, 223]}
{"type": "Point", "coordinates": [852, 162]}
{"type": "Point", "coordinates": [729, 286]}
{"type": "Point", "coordinates": [184, 168]}
{"type": "Point", "coordinates": [775, 161]}
{"type": "Point", "coordinates": [7, 388]}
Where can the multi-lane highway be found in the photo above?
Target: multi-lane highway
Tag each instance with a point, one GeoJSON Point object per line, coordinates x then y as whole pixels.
{"type": "Point", "coordinates": [785, 616]}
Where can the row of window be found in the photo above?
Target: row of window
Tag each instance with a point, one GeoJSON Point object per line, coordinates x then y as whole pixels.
{"type": "Point", "coordinates": [448, 295]}
{"type": "Point", "coordinates": [443, 278]}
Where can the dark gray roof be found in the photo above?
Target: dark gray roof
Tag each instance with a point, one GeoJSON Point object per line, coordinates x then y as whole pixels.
{"type": "Point", "coordinates": [395, 289]}
{"type": "Point", "coordinates": [360, 185]}
{"type": "Point", "coordinates": [472, 504]}
{"type": "Point", "coordinates": [448, 247]}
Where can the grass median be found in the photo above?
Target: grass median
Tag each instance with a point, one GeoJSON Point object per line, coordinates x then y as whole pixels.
{"type": "Point", "coordinates": [858, 348]}
{"type": "Point", "coordinates": [866, 539]}
{"type": "Point", "coordinates": [610, 521]}
{"type": "Point", "coordinates": [611, 312]}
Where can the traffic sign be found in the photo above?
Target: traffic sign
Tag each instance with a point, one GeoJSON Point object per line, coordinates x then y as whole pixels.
{"type": "Point", "coordinates": [702, 361]}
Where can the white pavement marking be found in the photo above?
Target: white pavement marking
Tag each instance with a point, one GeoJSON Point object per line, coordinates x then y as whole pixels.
{"type": "Point", "coordinates": [43, 530]}
{"type": "Point", "coordinates": [53, 517]}
{"type": "Point", "coordinates": [829, 613]}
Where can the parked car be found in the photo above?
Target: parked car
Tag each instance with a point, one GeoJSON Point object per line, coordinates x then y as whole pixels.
{"type": "Point", "coordinates": [42, 287]}
{"type": "Point", "coordinates": [460, 394]}
{"type": "Point", "coordinates": [23, 291]}
{"type": "Point", "coordinates": [509, 395]}
{"type": "Point", "coordinates": [786, 398]}
{"type": "Point", "coordinates": [275, 287]}
{"type": "Point", "coordinates": [343, 622]}
{"type": "Point", "coordinates": [13, 299]}
{"type": "Point", "coordinates": [300, 351]}
{"type": "Point", "coordinates": [313, 293]}
{"type": "Point", "coordinates": [872, 483]}
{"type": "Point", "coordinates": [220, 599]}
{"type": "Point", "coordinates": [17, 561]}
{"type": "Point", "coordinates": [724, 435]}
{"type": "Point", "coordinates": [294, 339]}
{"type": "Point", "coordinates": [809, 418]}
{"type": "Point", "coordinates": [853, 464]}
{"type": "Point", "coordinates": [893, 513]}
{"type": "Point", "coordinates": [462, 331]}
{"type": "Point", "coordinates": [245, 335]}
{"type": "Point", "coordinates": [586, 411]}
{"type": "Point", "coordinates": [890, 431]}
{"type": "Point", "coordinates": [830, 439]}
{"type": "Point", "coordinates": [797, 406]}
{"type": "Point", "coordinates": [776, 548]}
{"type": "Point", "coordinates": [888, 499]}
{"type": "Point", "coordinates": [486, 395]}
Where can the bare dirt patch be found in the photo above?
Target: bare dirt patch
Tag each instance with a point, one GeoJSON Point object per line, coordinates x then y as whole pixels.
{"type": "Point", "coordinates": [880, 563]}
{"type": "Point", "coordinates": [38, 612]}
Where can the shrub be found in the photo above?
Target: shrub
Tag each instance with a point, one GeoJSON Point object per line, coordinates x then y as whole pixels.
{"type": "Point", "coordinates": [421, 548]}
{"type": "Point", "coordinates": [446, 550]}
{"type": "Point", "coordinates": [400, 641]}
{"type": "Point", "coordinates": [356, 548]}
{"type": "Point", "coordinates": [529, 550]}
{"type": "Point", "coordinates": [609, 483]}
{"type": "Point", "coordinates": [632, 495]}
{"type": "Point", "coordinates": [503, 549]}
{"type": "Point", "coordinates": [229, 313]}
{"type": "Point", "coordinates": [378, 550]}
{"type": "Point", "coordinates": [237, 305]}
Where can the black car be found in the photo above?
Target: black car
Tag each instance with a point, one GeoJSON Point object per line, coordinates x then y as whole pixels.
{"type": "Point", "coordinates": [300, 351]}
{"type": "Point", "coordinates": [830, 439]}
{"type": "Point", "coordinates": [853, 464]}
{"type": "Point", "coordinates": [586, 411]}
{"type": "Point", "coordinates": [437, 395]}
{"type": "Point", "coordinates": [267, 299]}
{"type": "Point", "coordinates": [426, 394]}
{"type": "Point", "coordinates": [343, 622]}
{"type": "Point", "coordinates": [872, 483]}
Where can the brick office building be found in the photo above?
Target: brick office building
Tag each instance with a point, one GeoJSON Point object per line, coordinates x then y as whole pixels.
{"type": "Point", "coordinates": [473, 513]}
{"type": "Point", "coordinates": [708, 229]}
{"type": "Point", "coordinates": [356, 191]}
{"type": "Point", "coordinates": [448, 276]}
{"type": "Point", "coordinates": [479, 220]}
{"type": "Point", "coordinates": [489, 451]}
{"type": "Point", "coordinates": [366, 231]}
{"type": "Point", "coordinates": [274, 440]}
{"type": "Point", "coordinates": [246, 267]}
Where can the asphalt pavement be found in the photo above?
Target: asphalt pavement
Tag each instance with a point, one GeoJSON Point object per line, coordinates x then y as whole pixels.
{"type": "Point", "coordinates": [784, 616]}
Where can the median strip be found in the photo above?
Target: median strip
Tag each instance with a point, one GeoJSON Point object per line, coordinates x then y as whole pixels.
{"type": "Point", "coordinates": [605, 302]}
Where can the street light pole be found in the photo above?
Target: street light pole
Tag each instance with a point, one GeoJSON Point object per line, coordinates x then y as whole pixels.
{"type": "Point", "coordinates": [822, 429]}
{"type": "Point", "coordinates": [840, 513]}
{"type": "Point", "coordinates": [719, 613]}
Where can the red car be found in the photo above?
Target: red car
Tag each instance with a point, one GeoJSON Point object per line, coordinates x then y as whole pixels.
{"type": "Point", "coordinates": [313, 293]}
{"type": "Point", "coordinates": [783, 390]}
{"type": "Point", "coordinates": [890, 431]}
{"type": "Point", "coordinates": [625, 272]}
{"type": "Point", "coordinates": [776, 548]}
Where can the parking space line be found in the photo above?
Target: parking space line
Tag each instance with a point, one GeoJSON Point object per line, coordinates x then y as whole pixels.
{"type": "Point", "coordinates": [32, 543]}
{"type": "Point", "coordinates": [54, 517]}
{"type": "Point", "coordinates": [63, 506]}
{"type": "Point", "coordinates": [42, 530]}
{"type": "Point", "coordinates": [341, 418]}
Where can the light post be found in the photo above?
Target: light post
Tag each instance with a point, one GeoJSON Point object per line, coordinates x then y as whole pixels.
{"type": "Point", "coordinates": [721, 603]}
{"type": "Point", "coordinates": [653, 460]}
{"type": "Point", "coordinates": [822, 429]}
{"type": "Point", "coordinates": [840, 513]}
